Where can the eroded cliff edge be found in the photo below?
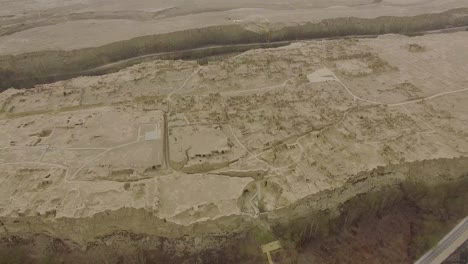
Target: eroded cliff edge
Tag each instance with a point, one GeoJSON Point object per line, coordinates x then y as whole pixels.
{"type": "Point", "coordinates": [29, 69]}
{"type": "Point", "coordinates": [436, 190]}
{"type": "Point", "coordinates": [180, 162]}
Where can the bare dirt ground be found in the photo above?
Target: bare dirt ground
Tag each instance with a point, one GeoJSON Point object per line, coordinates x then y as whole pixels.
{"type": "Point", "coordinates": [33, 25]}
{"type": "Point", "coordinates": [249, 134]}
{"type": "Point", "coordinates": [258, 116]}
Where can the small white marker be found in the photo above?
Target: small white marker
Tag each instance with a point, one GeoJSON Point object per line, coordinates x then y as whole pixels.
{"type": "Point", "coordinates": [267, 248]}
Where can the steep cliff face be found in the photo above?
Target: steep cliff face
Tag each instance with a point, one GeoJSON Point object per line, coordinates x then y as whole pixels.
{"type": "Point", "coordinates": [27, 70]}
{"type": "Point", "coordinates": [405, 207]}
{"type": "Point", "coordinates": [423, 198]}
{"type": "Point", "coordinates": [399, 234]}
{"type": "Point", "coordinates": [323, 141]}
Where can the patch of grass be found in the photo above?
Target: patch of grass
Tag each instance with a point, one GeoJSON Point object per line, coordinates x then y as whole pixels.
{"type": "Point", "coordinates": [262, 236]}
{"type": "Point", "coordinates": [14, 256]}
{"type": "Point", "coordinates": [255, 238]}
{"type": "Point", "coordinates": [49, 260]}
{"type": "Point", "coordinates": [432, 231]}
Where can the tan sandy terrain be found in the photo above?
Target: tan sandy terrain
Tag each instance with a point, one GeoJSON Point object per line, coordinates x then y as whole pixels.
{"type": "Point", "coordinates": [248, 134]}
{"type": "Point", "coordinates": [36, 25]}
{"type": "Point", "coordinates": [245, 137]}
